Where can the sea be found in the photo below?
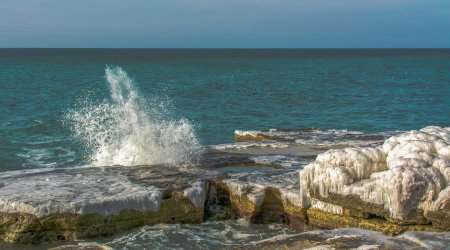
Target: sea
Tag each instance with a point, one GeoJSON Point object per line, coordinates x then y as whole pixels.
{"type": "Point", "coordinates": [63, 108]}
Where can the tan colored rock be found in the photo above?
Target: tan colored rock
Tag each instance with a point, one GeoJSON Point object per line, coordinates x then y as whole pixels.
{"type": "Point", "coordinates": [27, 228]}
{"type": "Point", "coordinates": [262, 204]}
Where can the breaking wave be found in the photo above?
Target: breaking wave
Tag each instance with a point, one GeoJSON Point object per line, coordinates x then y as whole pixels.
{"type": "Point", "coordinates": [128, 130]}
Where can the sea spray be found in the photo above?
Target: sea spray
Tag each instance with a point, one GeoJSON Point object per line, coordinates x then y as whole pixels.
{"type": "Point", "coordinates": [129, 130]}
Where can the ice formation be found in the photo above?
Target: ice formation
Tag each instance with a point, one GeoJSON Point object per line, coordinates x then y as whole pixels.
{"type": "Point", "coordinates": [43, 192]}
{"type": "Point", "coordinates": [409, 171]}
{"type": "Point", "coordinates": [253, 133]}
{"type": "Point", "coordinates": [284, 178]}
{"type": "Point", "coordinates": [196, 193]}
{"type": "Point", "coordinates": [254, 192]}
{"type": "Point", "coordinates": [327, 207]}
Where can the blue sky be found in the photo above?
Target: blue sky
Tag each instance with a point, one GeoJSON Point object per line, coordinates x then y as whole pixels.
{"type": "Point", "coordinates": [225, 24]}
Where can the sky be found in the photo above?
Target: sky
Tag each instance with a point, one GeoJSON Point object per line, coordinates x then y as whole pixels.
{"type": "Point", "coordinates": [225, 24]}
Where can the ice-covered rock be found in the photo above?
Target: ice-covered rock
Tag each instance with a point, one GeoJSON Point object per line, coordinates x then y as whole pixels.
{"type": "Point", "coordinates": [196, 193]}
{"type": "Point", "coordinates": [43, 192]}
{"type": "Point", "coordinates": [407, 176]}
{"type": "Point", "coordinates": [405, 180]}
{"type": "Point", "coordinates": [336, 168]}
{"type": "Point", "coordinates": [66, 204]}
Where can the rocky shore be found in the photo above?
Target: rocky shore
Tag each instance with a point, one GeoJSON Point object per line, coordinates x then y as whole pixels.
{"type": "Point", "coordinates": [391, 185]}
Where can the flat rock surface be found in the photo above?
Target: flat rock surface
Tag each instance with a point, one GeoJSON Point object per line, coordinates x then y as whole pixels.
{"type": "Point", "coordinates": [86, 190]}
{"type": "Point", "coordinates": [109, 190]}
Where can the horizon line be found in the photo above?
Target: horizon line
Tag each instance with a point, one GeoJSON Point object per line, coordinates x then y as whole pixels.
{"type": "Point", "coordinates": [228, 48]}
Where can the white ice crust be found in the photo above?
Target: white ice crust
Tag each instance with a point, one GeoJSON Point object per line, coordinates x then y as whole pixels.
{"type": "Point", "coordinates": [42, 192]}
{"type": "Point", "coordinates": [252, 133]}
{"type": "Point", "coordinates": [409, 171]}
{"type": "Point", "coordinates": [253, 185]}
{"type": "Point", "coordinates": [327, 207]}
{"type": "Point", "coordinates": [254, 192]}
{"type": "Point", "coordinates": [196, 193]}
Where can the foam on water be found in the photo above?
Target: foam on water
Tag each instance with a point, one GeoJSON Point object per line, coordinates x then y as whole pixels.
{"type": "Point", "coordinates": [237, 235]}
{"type": "Point", "coordinates": [128, 130]}
{"type": "Point", "coordinates": [208, 235]}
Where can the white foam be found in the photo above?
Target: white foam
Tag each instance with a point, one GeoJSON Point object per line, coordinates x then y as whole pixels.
{"type": "Point", "coordinates": [369, 247]}
{"type": "Point", "coordinates": [245, 145]}
{"type": "Point", "coordinates": [323, 247]}
{"type": "Point", "coordinates": [84, 245]}
{"type": "Point", "coordinates": [428, 240]}
{"type": "Point", "coordinates": [266, 159]}
{"type": "Point", "coordinates": [275, 238]}
{"type": "Point", "coordinates": [129, 131]}
{"type": "Point", "coordinates": [46, 157]}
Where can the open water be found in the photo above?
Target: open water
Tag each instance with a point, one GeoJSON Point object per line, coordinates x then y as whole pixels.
{"type": "Point", "coordinates": [201, 97]}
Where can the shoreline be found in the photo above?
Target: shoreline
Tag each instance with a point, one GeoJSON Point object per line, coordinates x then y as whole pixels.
{"type": "Point", "coordinates": [63, 205]}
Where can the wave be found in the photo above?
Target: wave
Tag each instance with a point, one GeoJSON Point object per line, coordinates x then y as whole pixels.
{"type": "Point", "coordinates": [129, 130]}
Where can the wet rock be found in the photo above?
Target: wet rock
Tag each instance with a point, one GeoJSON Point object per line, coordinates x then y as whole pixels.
{"type": "Point", "coordinates": [46, 205]}
{"type": "Point", "coordinates": [312, 136]}
{"type": "Point", "coordinates": [250, 136]}
{"type": "Point", "coordinates": [262, 204]}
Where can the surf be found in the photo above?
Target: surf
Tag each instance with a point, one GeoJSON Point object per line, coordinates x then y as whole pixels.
{"type": "Point", "coordinates": [129, 130]}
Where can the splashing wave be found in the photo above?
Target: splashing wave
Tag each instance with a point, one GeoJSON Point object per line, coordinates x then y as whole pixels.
{"type": "Point", "coordinates": [129, 131]}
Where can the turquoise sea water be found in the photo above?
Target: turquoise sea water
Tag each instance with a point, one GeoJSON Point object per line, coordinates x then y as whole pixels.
{"type": "Point", "coordinates": [218, 91]}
